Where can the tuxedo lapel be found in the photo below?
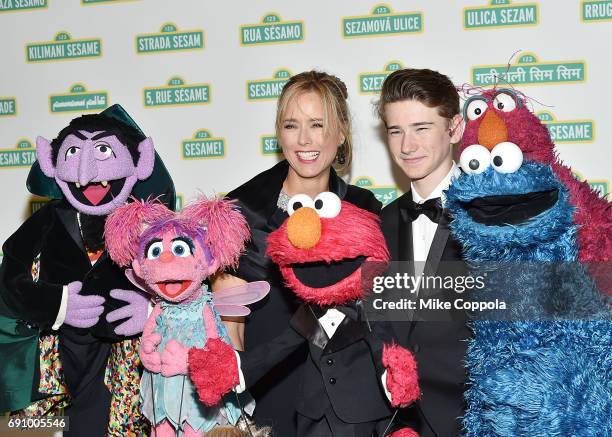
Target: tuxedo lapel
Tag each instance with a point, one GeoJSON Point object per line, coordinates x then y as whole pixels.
{"type": "Point", "coordinates": [68, 217]}
{"type": "Point", "coordinates": [306, 324]}
{"type": "Point", "coordinates": [438, 245]}
{"type": "Point", "coordinates": [349, 331]}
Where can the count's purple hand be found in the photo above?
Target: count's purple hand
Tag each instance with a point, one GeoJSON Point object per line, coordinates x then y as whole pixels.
{"type": "Point", "coordinates": [82, 311]}
{"type": "Point", "coordinates": [135, 312]}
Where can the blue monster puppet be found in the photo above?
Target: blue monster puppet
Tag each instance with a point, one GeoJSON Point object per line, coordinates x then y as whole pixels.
{"type": "Point", "coordinates": [69, 318]}
{"type": "Point", "coordinates": [543, 366]}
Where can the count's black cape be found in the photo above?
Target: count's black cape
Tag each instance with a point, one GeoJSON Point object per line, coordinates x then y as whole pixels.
{"type": "Point", "coordinates": [275, 394]}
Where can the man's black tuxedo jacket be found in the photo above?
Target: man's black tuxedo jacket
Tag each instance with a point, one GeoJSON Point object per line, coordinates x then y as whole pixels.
{"type": "Point", "coordinates": [343, 372]}
{"type": "Point", "coordinates": [439, 346]}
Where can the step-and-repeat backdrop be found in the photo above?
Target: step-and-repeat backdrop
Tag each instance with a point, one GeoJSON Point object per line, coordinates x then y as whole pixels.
{"type": "Point", "coordinates": [202, 77]}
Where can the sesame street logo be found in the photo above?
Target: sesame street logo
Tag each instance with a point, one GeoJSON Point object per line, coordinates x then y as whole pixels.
{"type": "Point", "coordinates": [63, 47]}
{"type": "Point", "coordinates": [178, 203]}
{"type": "Point", "coordinates": [8, 106]}
{"type": "Point", "coordinates": [568, 131]}
{"type": "Point", "coordinates": [599, 10]}
{"type": "Point", "coordinates": [267, 89]}
{"type": "Point", "coordinates": [23, 155]}
{"type": "Point", "coordinates": [271, 30]}
{"type": "Point", "coordinates": [78, 99]}
{"type": "Point", "coordinates": [22, 5]}
{"type": "Point", "coordinates": [203, 146]}
{"type": "Point", "coordinates": [384, 194]}
{"type": "Point", "coordinates": [97, 2]}
{"type": "Point", "coordinates": [177, 93]}
{"type": "Point", "coordinates": [382, 21]}
{"type": "Point", "coordinates": [170, 39]}
{"type": "Point", "coordinates": [601, 186]}
{"type": "Point", "coordinates": [529, 71]}
{"type": "Point", "coordinates": [500, 13]}
{"type": "Point", "coordinates": [36, 203]}
{"type": "Point", "coordinates": [269, 146]}
{"type": "Point", "coordinates": [371, 83]}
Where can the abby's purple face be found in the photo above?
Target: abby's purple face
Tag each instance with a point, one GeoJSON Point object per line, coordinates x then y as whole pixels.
{"type": "Point", "coordinates": [94, 170]}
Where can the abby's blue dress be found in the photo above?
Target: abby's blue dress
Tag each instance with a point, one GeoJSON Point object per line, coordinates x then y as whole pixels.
{"type": "Point", "coordinates": [174, 398]}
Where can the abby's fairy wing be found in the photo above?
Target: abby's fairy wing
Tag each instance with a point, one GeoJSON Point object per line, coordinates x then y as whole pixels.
{"type": "Point", "coordinates": [230, 310]}
{"type": "Point", "coordinates": [244, 294]}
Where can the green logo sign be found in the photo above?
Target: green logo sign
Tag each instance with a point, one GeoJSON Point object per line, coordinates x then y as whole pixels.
{"type": "Point", "coordinates": [8, 106]}
{"type": "Point", "coordinates": [601, 186]}
{"type": "Point", "coordinates": [23, 155]}
{"type": "Point", "coordinates": [501, 13]}
{"type": "Point", "coordinates": [382, 21]}
{"type": "Point", "coordinates": [178, 203]}
{"type": "Point", "coordinates": [599, 10]}
{"type": "Point", "coordinates": [36, 203]}
{"type": "Point", "coordinates": [97, 2]}
{"type": "Point", "coordinates": [568, 131]}
{"type": "Point", "coordinates": [78, 99]}
{"type": "Point", "coordinates": [371, 83]}
{"type": "Point", "coordinates": [63, 48]}
{"type": "Point", "coordinates": [269, 146]}
{"type": "Point", "coordinates": [176, 93]}
{"type": "Point", "coordinates": [170, 39]}
{"type": "Point", "coordinates": [267, 89]}
{"type": "Point", "coordinates": [384, 194]}
{"type": "Point", "coordinates": [271, 30]}
{"type": "Point", "coordinates": [203, 146]}
{"type": "Point", "coordinates": [530, 71]}
{"type": "Point", "coordinates": [22, 5]}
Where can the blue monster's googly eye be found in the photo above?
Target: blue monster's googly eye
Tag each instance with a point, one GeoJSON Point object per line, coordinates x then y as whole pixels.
{"type": "Point", "coordinates": [298, 201]}
{"type": "Point", "coordinates": [181, 248]}
{"type": "Point", "coordinates": [506, 157]}
{"type": "Point", "coordinates": [327, 204]}
{"type": "Point", "coordinates": [155, 250]}
{"type": "Point", "coordinates": [505, 102]}
{"type": "Point", "coordinates": [475, 109]}
{"type": "Point", "coordinates": [475, 159]}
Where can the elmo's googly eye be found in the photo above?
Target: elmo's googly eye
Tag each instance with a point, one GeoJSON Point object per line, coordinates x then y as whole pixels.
{"type": "Point", "coordinates": [475, 109]}
{"type": "Point", "coordinates": [154, 250]}
{"type": "Point", "coordinates": [506, 157]}
{"type": "Point", "coordinates": [475, 159]}
{"type": "Point", "coordinates": [504, 102]}
{"type": "Point", "coordinates": [299, 201]}
{"type": "Point", "coordinates": [327, 205]}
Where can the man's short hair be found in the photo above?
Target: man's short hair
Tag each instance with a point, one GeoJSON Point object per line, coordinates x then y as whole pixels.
{"type": "Point", "coordinates": [429, 87]}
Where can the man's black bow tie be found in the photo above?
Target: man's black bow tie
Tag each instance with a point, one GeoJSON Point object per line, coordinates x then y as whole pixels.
{"type": "Point", "coordinates": [431, 208]}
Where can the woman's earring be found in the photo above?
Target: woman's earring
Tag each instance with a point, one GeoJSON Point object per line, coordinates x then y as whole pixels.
{"type": "Point", "coordinates": [341, 155]}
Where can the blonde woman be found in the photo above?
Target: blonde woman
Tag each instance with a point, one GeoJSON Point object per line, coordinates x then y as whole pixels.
{"type": "Point", "coordinates": [313, 127]}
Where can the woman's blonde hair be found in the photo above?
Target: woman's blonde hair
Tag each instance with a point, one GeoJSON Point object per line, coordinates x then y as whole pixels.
{"type": "Point", "coordinates": [336, 116]}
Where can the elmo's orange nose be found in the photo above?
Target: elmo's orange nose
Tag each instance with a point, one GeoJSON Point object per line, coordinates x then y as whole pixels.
{"type": "Point", "coordinates": [492, 130]}
{"type": "Point", "coordinates": [304, 228]}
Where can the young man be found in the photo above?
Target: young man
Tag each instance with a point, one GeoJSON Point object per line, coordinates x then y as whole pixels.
{"type": "Point", "coordinates": [420, 110]}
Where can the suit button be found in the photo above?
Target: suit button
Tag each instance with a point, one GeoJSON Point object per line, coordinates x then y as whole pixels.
{"type": "Point", "coordinates": [416, 348]}
{"type": "Point", "coordinates": [330, 361]}
{"type": "Point", "coordinates": [332, 381]}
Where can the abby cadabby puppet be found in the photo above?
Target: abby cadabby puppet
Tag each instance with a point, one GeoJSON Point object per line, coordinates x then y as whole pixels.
{"type": "Point", "coordinates": [171, 255]}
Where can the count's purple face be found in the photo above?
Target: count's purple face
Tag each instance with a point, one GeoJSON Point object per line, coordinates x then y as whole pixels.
{"type": "Point", "coordinates": [94, 170]}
